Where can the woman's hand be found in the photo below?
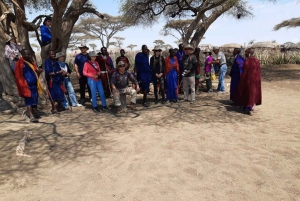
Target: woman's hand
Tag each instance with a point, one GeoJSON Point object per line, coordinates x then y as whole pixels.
{"type": "Point", "coordinates": [95, 76]}
{"type": "Point", "coordinates": [78, 75]}
{"type": "Point", "coordinates": [137, 88]}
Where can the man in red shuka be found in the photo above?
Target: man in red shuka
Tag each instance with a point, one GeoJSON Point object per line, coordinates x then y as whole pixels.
{"type": "Point", "coordinates": [249, 89]}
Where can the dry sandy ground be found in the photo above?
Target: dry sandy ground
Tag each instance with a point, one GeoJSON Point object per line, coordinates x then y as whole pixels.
{"type": "Point", "coordinates": [208, 151]}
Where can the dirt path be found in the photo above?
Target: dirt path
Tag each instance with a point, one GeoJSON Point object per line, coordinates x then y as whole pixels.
{"type": "Point", "coordinates": [210, 151]}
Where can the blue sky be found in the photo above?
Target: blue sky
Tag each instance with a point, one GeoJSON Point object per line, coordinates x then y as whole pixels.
{"type": "Point", "coordinates": [224, 30]}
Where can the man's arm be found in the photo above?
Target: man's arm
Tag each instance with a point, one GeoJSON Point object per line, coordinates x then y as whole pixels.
{"type": "Point", "coordinates": [240, 61]}
{"type": "Point", "coordinates": [194, 63]}
{"type": "Point", "coordinates": [217, 61]}
{"type": "Point", "coordinates": [113, 81]}
{"type": "Point", "coordinates": [46, 34]}
{"type": "Point", "coordinates": [128, 63]}
{"type": "Point", "coordinates": [76, 68]}
{"type": "Point", "coordinates": [151, 63]}
{"type": "Point", "coordinates": [163, 65]}
{"type": "Point", "coordinates": [111, 63]}
{"type": "Point", "coordinates": [134, 81]}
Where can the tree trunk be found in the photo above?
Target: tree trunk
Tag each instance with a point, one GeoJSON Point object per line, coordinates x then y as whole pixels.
{"type": "Point", "coordinates": [7, 80]}
{"type": "Point", "coordinates": [23, 36]}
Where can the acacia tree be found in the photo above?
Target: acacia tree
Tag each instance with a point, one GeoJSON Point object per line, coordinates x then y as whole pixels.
{"type": "Point", "coordinates": [104, 30]}
{"type": "Point", "coordinates": [93, 45]}
{"type": "Point", "coordinates": [119, 41]}
{"type": "Point", "coordinates": [204, 13]}
{"type": "Point", "coordinates": [159, 42]}
{"type": "Point", "coordinates": [131, 46]}
{"type": "Point", "coordinates": [65, 15]}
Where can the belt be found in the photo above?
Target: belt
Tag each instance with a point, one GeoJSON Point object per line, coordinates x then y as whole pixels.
{"type": "Point", "coordinates": [222, 64]}
{"type": "Point", "coordinates": [103, 71]}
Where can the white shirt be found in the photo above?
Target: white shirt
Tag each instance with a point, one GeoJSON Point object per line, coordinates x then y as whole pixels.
{"type": "Point", "coordinates": [221, 57]}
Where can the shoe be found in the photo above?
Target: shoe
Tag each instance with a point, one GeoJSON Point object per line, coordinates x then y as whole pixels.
{"type": "Point", "coordinates": [163, 102]}
{"type": "Point", "coordinates": [105, 108]}
{"type": "Point", "coordinates": [250, 113]}
{"type": "Point", "coordinates": [186, 100]}
{"type": "Point", "coordinates": [210, 91]}
{"type": "Point", "coordinates": [145, 105]}
{"type": "Point", "coordinates": [36, 115]}
{"type": "Point", "coordinates": [34, 120]}
{"type": "Point", "coordinates": [77, 105]}
{"type": "Point", "coordinates": [221, 92]}
{"type": "Point", "coordinates": [132, 106]}
{"type": "Point", "coordinates": [82, 101]}
{"type": "Point", "coordinates": [156, 101]}
{"type": "Point", "coordinates": [62, 109]}
{"type": "Point", "coordinates": [192, 102]}
{"type": "Point", "coordinates": [96, 110]}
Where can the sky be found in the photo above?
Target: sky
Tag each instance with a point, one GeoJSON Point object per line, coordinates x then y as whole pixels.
{"type": "Point", "coordinates": [224, 30]}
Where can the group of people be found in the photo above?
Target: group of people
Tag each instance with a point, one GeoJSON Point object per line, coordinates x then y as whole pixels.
{"type": "Point", "coordinates": [97, 74]}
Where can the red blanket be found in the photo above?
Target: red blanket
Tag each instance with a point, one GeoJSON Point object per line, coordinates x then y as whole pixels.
{"type": "Point", "coordinates": [249, 89]}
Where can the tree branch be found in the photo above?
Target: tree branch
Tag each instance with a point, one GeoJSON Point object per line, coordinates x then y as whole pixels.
{"type": "Point", "coordinates": [39, 18]}
{"type": "Point", "coordinates": [291, 23]}
{"type": "Point", "coordinates": [79, 12]}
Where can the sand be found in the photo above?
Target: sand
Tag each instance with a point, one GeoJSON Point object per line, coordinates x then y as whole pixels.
{"type": "Point", "coordinates": [207, 151]}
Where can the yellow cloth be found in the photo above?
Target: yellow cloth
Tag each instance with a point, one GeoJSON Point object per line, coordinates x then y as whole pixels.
{"type": "Point", "coordinates": [213, 76]}
{"type": "Point", "coordinates": [39, 86]}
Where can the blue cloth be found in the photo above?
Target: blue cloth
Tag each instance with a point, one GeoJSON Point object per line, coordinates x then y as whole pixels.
{"type": "Point", "coordinates": [221, 85]}
{"type": "Point", "coordinates": [179, 56]}
{"type": "Point", "coordinates": [144, 86]}
{"type": "Point", "coordinates": [235, 72]}
{"type": "Point", "coordinates": [144, 74]}
{"type": "Point", "coordinates": [68, 85]}
{"type": "Point", "coordinates": [111, 63]}
{"type": "Point", "coordinates": [46, 34]}
{"type": "Point", "coordinates": [172, 84]}
{"type": "Point", "coordinates": [31, 80]}
{"type": "Point", "coordinates": [96, 86]}
{"type": "Point", "coordinates": [55, 90]}
{"type": "Point", "coordinates": [79, 61]}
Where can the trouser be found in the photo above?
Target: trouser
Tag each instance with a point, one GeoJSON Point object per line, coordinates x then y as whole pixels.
{"type": "Point", "coordinates": [223, 70]}
{"type": "Point", "coordinates": [208, 81]}
{"type": "Point", "coordinates": [197, 80]}
{"type": "Point", "coordinates": [12, 65]}
{"type": "Point", "coordinates": [68, 85]}
{"type": "Point", "coordinates": [96, 86]}
{"type": "Point", "coordinates": [188, 83]}
{"type": "Point", "coordinates": [82, 84]}
{"type": "Point", "coordinates": [160, 81]}
{"type": "Point", "coordinates": [127, 91]}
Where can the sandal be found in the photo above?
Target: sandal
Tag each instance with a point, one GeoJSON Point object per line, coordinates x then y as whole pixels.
{"type": "Point", "coordinates": [54, 112]}
{"type": "Point", "coordinates": [34, 120]}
